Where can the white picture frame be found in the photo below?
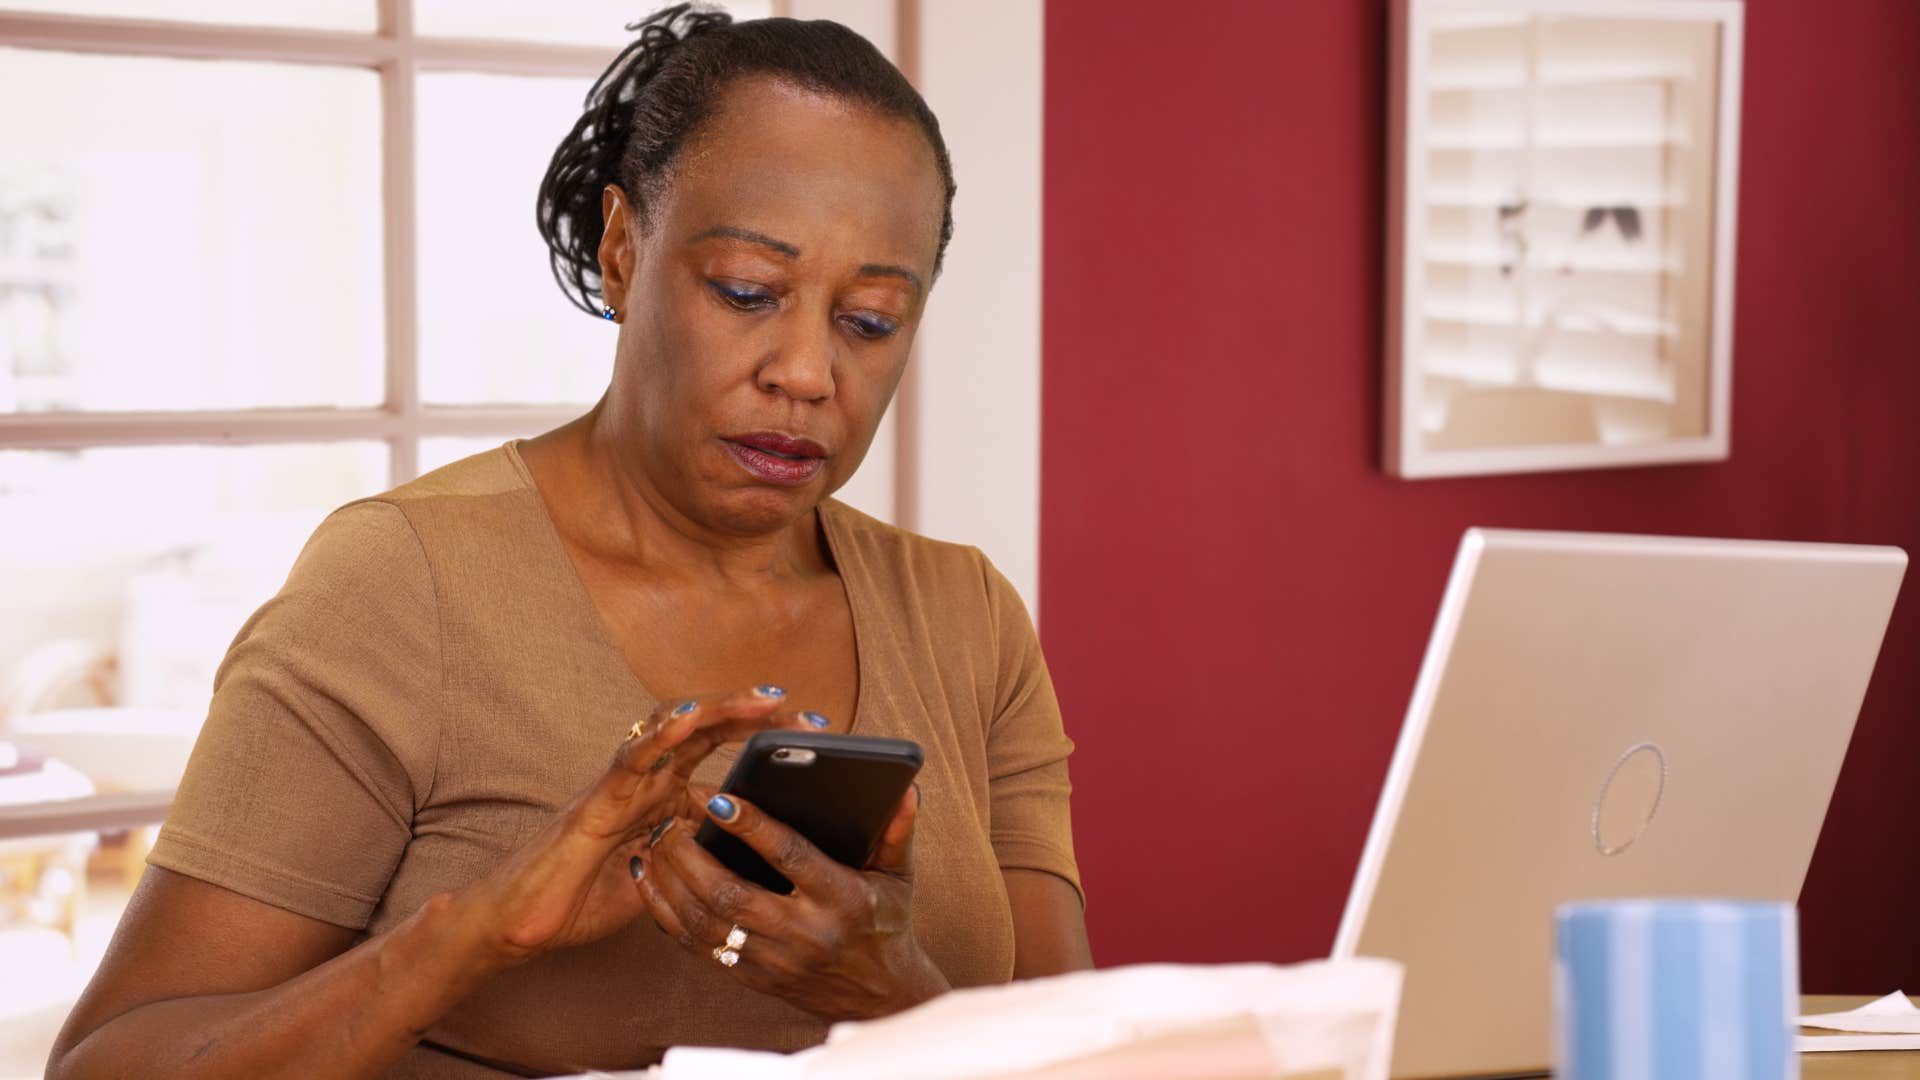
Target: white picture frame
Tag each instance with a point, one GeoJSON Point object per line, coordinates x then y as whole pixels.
{"type": "Point", "coordinates": [1560, 234]}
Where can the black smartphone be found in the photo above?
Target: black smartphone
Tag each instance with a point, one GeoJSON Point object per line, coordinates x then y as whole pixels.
{"type": "Point", "coordinates": [838, 791]}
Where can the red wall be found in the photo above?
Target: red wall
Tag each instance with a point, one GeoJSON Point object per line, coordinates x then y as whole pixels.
{"type": "Point", "coordinates": [1235, 598]}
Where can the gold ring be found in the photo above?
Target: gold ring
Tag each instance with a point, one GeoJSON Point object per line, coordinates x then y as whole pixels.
{"type": "Point", "coordinates": [638, 729]}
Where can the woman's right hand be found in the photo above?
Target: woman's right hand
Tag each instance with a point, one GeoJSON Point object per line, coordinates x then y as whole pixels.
{"type": "Point", "coordinates": [572, 883]}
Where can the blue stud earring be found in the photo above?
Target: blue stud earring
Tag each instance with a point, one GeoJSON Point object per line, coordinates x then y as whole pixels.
{"type": "Point", "coordinates": [607, 313]}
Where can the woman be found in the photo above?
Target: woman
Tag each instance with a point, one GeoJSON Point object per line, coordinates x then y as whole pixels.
{"type": "Point", "coordinates": [399, 848]}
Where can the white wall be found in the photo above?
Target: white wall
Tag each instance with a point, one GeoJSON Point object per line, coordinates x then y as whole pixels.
{"type": "Point", "coordinates": [875, 20]}
{"type": "Point", "coordinates": [978, 432]}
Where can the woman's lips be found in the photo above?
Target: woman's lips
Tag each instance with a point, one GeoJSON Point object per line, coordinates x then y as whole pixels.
{"type": "Point", "coordinates": [777, 459]}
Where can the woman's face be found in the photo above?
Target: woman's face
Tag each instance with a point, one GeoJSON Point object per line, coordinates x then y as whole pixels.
{"type": "Point", "coordinates": [769, 301]}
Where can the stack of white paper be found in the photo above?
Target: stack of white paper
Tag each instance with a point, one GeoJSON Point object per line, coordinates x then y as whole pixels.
{"type": "Point", "coordinates": [1331, 1020]}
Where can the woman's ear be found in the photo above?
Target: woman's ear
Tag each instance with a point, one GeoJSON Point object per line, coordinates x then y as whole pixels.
{"type": "Point", "coordinates": [616, 250]}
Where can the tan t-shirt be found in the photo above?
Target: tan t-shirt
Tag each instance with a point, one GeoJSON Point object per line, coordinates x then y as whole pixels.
{"type": "Point", "coordinates": [433, 682]}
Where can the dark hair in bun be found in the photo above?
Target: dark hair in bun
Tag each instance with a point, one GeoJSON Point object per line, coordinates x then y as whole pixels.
{"type": "Point", "coordinates": [660, 88]}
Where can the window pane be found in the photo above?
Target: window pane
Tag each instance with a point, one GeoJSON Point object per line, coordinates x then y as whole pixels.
{"type": "Point", "coordinates": [188, 234]}
{"type": "Point", "coordinates": [125, 573]}
{"type": "Point", "coordinates": [581, 22]}
{"type": "Point", "coordinates": [494, 328]}
{"type": "Point", "coordinates": [322, 14]}
{"type": "Point", "coordinates": [150, 558]}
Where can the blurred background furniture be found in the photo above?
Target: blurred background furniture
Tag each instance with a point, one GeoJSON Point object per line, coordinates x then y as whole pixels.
{"type": "Point", "coordinates": [42, 878]}
{"type": "Point", "coordinates": [116, 750]}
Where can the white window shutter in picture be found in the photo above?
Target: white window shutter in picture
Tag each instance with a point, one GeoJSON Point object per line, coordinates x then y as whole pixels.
{"type": "Point", "coordinates": [1560, 234]}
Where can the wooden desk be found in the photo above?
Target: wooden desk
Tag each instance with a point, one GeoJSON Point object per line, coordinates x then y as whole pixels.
{"type": "Point", "coordinates": [1865, 1064]}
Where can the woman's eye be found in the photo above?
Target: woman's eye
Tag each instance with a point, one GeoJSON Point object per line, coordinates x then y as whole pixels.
{"type": "Point", "coordinates": [744, 299]}
{"type": "Point", "coordinates": [871, 327]}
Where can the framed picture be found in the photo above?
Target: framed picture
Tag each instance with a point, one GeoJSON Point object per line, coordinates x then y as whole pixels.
{"type": "Point", "coordinates": [1560, 233]}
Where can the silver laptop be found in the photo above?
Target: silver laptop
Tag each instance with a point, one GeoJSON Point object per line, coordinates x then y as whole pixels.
{"type": "Point", "coordinates": [1602, 716]}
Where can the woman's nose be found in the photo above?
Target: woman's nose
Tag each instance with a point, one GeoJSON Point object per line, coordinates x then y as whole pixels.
{"type": "Point", "coordinates": [801, 367]}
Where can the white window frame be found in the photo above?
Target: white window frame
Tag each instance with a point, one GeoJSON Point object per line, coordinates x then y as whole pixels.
{"type": "Point", "coordinates": [398, 56]}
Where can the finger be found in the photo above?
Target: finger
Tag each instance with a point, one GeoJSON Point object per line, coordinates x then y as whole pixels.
{"type": "Point", "coordinates": [779, 948]}
{"type": "Point", "coordinates": [757, 702]}
{"type": "Point", "coordinates": [785, 850]}
{"type": "Point", "coordinates": [894, 854]}
{"type": "Point", "coordinates": [765, 963]}
{"type": "Point", "coordinates": [676, 909]}
{"type": "Point", "coordinates": [626, 864]}
{"type": "Point", "coordinates": [693, 801]}
{"type": "Point", "coordinates": [639, 754]}
{"type": "Point", "coordinates": [627, 800]}
{"type": "Point", "coordinates": [657, 719]}
{"type": "Point", "coordinates": [769, 966]}
{"type": "Point", "coordinates": [694, 729]}
{"type": "Point", "coordinates": [719, 890]}
{"type": "Point", "coordinates": [644, 752]}
{"type": "Point", "coordinates": [659, 831]}
{"type": "Point", "coordinates": [701, 920]}
{"type": "Point", "coordinates": [707, 730]}
{"type": "Point", "coordinates": [682, 736]}
{"type": "Point", "coordinates": [661, 912]}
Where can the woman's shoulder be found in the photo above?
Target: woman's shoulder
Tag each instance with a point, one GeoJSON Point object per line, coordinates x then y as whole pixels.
{"type": "Point", "coordinates": [491, 472]}
{"type": "Point", "coordinates": [427, 522]}
{"type": "Point", "coordinates": [943, 578]}
{"type": "Point", "coordinates": [889, 550]}
{"type": "Point", "coordinates": [483, 494]}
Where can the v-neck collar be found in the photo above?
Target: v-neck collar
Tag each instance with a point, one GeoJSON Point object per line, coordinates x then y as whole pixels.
{"type": "Point", "coordinates": [838, 552]}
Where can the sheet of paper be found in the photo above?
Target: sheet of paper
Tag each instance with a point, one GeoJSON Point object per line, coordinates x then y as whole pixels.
{"type": "Point", "coordinates": [1891, 1015]}
{"type": "Point", "coordinates": [1891, 1023]}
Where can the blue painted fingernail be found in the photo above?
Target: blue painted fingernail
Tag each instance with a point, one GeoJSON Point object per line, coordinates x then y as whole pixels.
{"type": "Point", "coordinates": [815, 719]}
{"type": "Point", "coordinates": [722, 807]}
{"type": "Point", "coordinates": [659, 831]}
{"type": "Point", "coordinates": [633, 867]}
{"type": "Point", "coordinates": [684, 708]}
{"type": "Point", "coordinates": [769, 691]}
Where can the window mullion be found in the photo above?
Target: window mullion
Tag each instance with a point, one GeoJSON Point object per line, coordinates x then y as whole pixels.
{"type": "Point", "coordinates": [399, 95]}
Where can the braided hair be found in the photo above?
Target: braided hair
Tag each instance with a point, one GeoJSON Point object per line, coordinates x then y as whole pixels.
{"type": "Point", "coordinates": [664, 84]}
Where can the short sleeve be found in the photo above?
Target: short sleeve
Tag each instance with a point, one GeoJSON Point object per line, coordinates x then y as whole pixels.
{"type": "Point", "coordinates": [320, 742]}
{"type": "Point", "coordinates": [1027, 747]}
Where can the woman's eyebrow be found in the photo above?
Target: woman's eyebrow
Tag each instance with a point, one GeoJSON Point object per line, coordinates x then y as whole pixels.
{"type": "Point", "coordinates": [882, 270]}
{"type": "Point", "coordinates": [751, 237]}
{"type": "Point", "coordinates": [733, 232]}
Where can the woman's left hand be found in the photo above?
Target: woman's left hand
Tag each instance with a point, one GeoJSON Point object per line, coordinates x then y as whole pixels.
{"type": "Point", "coordinates": [840, 946]}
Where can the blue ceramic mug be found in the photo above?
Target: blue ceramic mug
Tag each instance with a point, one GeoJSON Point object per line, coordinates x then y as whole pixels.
{"type": "Point", "coordinates": [1676, 990]}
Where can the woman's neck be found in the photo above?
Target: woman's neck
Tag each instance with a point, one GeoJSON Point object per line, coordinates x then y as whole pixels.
{"type": "Point", "coordinates": [604, 501]}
